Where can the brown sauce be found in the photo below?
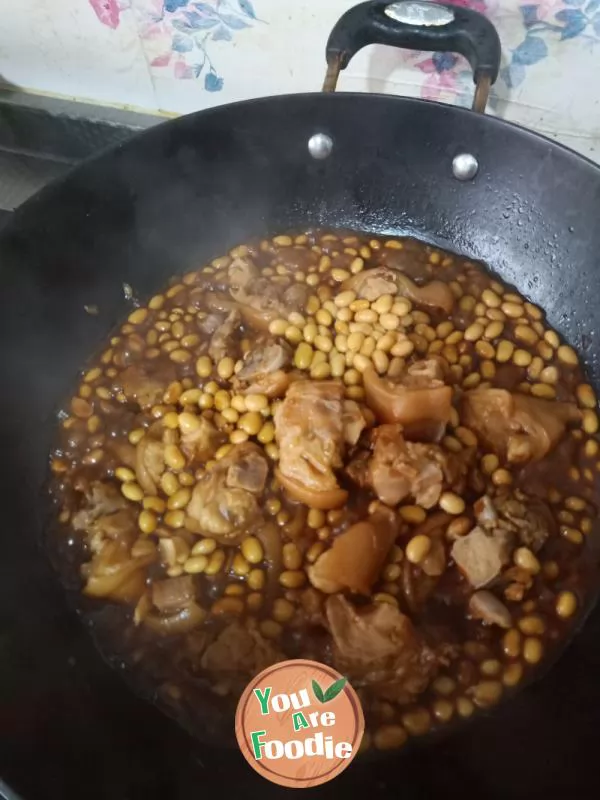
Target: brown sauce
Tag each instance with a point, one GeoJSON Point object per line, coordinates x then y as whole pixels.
{"type": "Point", "coordinates": [233, 430]}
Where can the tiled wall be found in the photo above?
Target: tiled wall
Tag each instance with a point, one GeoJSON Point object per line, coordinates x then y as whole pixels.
{"type": "Point", "coordinates": [182, 55]}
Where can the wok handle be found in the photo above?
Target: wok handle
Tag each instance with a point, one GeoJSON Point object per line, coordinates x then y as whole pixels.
{"type": "Point", "coordinates": [417, 25]}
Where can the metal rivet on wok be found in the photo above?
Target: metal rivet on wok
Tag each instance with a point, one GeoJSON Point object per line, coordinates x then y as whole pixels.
{"type": "Point", "coordinates": [320, 145]}
{"type": "Point", "coordinates": [464, 166]}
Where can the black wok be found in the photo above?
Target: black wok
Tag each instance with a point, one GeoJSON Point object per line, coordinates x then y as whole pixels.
{"type": "Point", "coordinates": [173, 198]}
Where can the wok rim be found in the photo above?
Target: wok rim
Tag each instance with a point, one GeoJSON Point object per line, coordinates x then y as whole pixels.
{"type": "Point", "coordinates": [494, 122]}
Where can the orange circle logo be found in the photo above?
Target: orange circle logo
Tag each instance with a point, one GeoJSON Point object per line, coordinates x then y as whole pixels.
{"type": "Point", "coordinates": [299, 723]}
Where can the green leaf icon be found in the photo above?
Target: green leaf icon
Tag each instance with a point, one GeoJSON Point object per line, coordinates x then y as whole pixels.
{"type": "Point", "coordinates": [335, 688]}
{"type": "Point", "coordinates": [318, 692]}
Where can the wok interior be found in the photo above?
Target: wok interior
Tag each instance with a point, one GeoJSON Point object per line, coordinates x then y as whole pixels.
{"type": "Point", "coordinates": [186, 192]}
{"type": "Point", "coordinates": [359, 450]}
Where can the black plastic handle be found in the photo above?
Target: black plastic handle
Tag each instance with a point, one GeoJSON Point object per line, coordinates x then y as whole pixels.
{"type": "Point", "coordinates": [416, 25]}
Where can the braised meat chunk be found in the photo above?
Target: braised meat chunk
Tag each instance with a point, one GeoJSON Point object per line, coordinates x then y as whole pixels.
{"type": "Point", "coordinates": [419, 400]}
{"type": "Point", "coordinates": [119, 525]}
{"type": "Point", "coordinates": [221, 512]}
{"type": "Point", "coordinates": [208, 323]}
{"type": "Point", "coordinates": [261, 302]}
{"type": "Point", "coordinates": [264, 370]}
{"type": "Point", "coordinates": [435, 294]}
{"type": "Point", "coordinates": [517, 427]}
{"type": "Point", "coordinates": [353, 422]}
{"type": "Point", "coordinates": [224, 502]}
{"type": "Point", "coordinates": [239, 652]}
{"type": "Point", "coordinates": [398, 469]}
{"type": "Point", "coordinates": [241, 274]}
{"type": "Point", "coordinates": [480, 555]}
{"type": "Point", "coordinates": [264, 359]}
{"type": "Point", "coordinates": [310, 434]}
{"type": "Point", "coordinates": [114, 574]}
{"type": "Point", "coordinates": [374, 283]}
{"type": "Point", "coordinates": [221, 343]}
{"type": "Point", "coordinates": [378, 646]}
{"type": "Point", "coordinates": [199, 439]}
{"type": "Point", "coordinates": [247, 468]}
{"type": "Point", "coordinates": [173, 594]}
{"type": "Point", "coordinates": [149, 463]}
{"type": "Point", "coordinates": [528, 518]}
{"type": "Point", "coordinates": [356, 557]}
{"type": "Point", "coordinates": [486, 606]}
{"type": "Point", "coordinates": [144, 385]}
{"type": "Point", "coordinates": [99, 500]}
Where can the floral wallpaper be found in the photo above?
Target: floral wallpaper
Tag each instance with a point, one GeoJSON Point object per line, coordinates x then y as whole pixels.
{"type": "Point", "coordinates": [178, 33]}
{"type": "Point", "coordinates": [177, 56]}
{"type": "Point", "coordinates": [178, 37]}
{"type": "Point", "coordinates": [538, 28]}
{"type": "Point", "coordinates": [545, 25]}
